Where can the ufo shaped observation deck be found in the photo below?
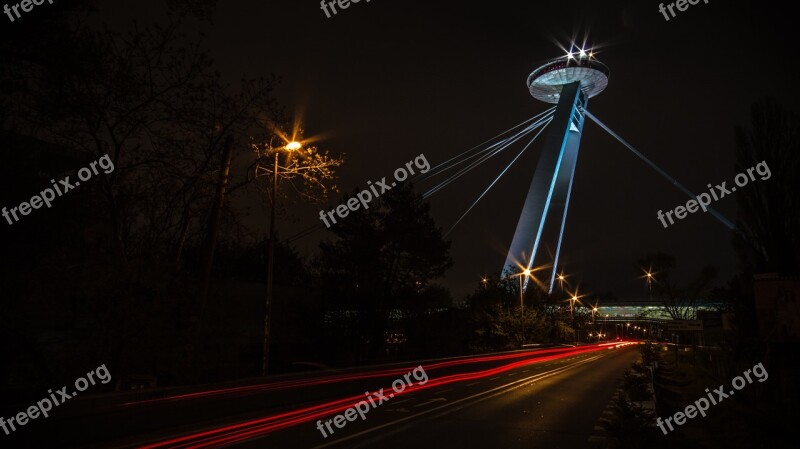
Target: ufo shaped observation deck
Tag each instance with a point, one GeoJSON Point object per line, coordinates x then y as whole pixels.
{"type": "Point", "coordinates": [545, 83]}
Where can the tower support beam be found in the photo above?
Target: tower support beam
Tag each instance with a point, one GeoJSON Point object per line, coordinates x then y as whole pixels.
{"type": "Point", "coordinates": [550, 188]}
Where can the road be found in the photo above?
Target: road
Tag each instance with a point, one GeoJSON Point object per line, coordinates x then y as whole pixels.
{"type": "Point", "coordinates": [555, 404]}
{"type": "Point", "coordinates": [545, 398]}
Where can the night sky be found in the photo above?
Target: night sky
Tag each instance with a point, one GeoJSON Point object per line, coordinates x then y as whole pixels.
{"type": "Point", "coordinates": [387, 80]}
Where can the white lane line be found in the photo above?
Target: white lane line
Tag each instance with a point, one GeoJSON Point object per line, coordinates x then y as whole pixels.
{"type": "Point", "coordinates": [473, 383]}
{"type": "Point", "coordinates": [431, 402]}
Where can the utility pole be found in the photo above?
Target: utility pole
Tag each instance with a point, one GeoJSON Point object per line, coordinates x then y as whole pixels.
{"type": "Point", "coordinates": [215, 217]}
{"type": "Point", "coordinates": [270, 260]}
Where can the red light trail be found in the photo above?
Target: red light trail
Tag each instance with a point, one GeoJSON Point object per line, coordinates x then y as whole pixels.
{"type": "Point", "coordinates": [283, 385]}
{"type": "Point", "coordinates": [263, 426]}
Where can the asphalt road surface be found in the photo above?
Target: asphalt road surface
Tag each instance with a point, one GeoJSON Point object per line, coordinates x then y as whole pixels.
{"type": "Point", "coordinates": [550, 405]}
{"type": "Point", "coordinates": [545, 398]}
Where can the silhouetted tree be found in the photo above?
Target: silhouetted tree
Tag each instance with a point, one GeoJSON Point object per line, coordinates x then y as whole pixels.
{"type": "Point", "coordinates": [151, 99]}
{"type": "Point", "coordinates": [680, 301]}
{"type": "Point", "coordinates": [382, 259]}
{"type": "Point", "coordinates": [768, 229]}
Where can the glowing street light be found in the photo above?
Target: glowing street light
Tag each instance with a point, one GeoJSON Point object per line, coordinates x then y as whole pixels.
{"type": "Point", "coordinates": [562, 279]}
{"type": "Point", "coordinates": [572, 300]}
{"type": "Point", "coordinates": [290, 147]}
{"type": "Point", "coordinates": [649, 278]}
{"type": "Point", "coordinates": [310, 165]}
{"type": "Point", "coordinates": [527, 273]}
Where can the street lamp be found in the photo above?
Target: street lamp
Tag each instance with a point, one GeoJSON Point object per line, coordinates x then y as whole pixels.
{"type": "Point", "coordinates": [649, 278]}
{"type": "Point", "coordinates": [561, 280]}
{"type": "Point", "coordinates": [527, 273]}
{"type": "Point", "coordinates": [291, 146]}
{"type": "Point", "coordinates": [572, 301]}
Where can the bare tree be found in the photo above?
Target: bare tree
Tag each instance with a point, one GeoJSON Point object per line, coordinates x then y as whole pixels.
{"type": "Point", "coordinates": [679, 301]}
{"type": "Point", "coordinates": [151, 100]}
{"type": "Point", "coordinates": [768, 237]}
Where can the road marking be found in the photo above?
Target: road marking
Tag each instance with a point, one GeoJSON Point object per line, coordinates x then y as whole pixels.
{"type": "Point", "coordinates": [493, 378]}
{"type": "Point", "coordinates": [526, 371]}
{"type": "Point", "coordinates": [431, 402]}
{"type": "Point", "coordinates": [473, 383]}
{"type": "Point", "coordinates": [445, 391]}
{"type": "Point", "coordinates": [496, 391]}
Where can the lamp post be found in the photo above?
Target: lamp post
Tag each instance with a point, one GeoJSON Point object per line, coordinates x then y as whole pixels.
{"type": "Point", "coordinates": [291, 146]}
{"type": "Point", "coordinates": [526, 272]}
{"type": "Point", "coordinates": [561, 279]}
{"type": "Point", "coordinates": [572, 307]}
{"type": "Point", "coordinates": [649, 278]}
{"type": "Point", "coordinates": [572, 301]}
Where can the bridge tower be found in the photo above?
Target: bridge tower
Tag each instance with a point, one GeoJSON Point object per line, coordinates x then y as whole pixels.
{"type": "Point", "coordinates": [568, 83]}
